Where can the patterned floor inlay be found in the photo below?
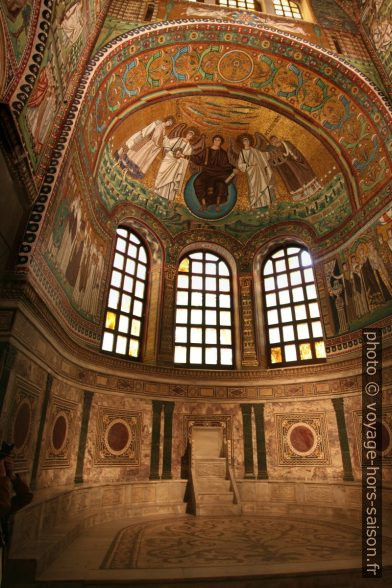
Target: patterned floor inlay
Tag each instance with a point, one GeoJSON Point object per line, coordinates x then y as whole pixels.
{"type": "Point", "coordinates": [205, 542]}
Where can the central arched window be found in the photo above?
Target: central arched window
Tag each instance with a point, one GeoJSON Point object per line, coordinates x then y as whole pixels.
{"type": "Point", "coordinates": [287, 8]}
{"type": "Point", "coordinates": [203, 323]}
{"type": "Point", "coordinates": [244, 4]}
{"type": "Point", "coordinates": [123, 328]}
{"type": "Point", "coordinates": [293, 322]}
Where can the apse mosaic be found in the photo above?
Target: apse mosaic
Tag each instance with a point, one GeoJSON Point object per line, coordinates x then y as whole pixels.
{"type": "Point", "coordinates": [210, 157]}
{"type": "Point", "coordinates": [117, 137]}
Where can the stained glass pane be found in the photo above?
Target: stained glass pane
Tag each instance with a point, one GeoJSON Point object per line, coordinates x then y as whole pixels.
{"type": "Point", "coordinates": [210, 317]}
{"type": "Point", "coordinates": [290, 353]}
{"type": "Point", "coordinates": [181, 335]}
{"type": "Point", "coordinates": [317, 329]}
{"type": "Point", "coordinates": [303, 331]}
{"type": "Point", "coordinates": [137, 308]}
{"type": "Point", "coordinates": [135, 328]}
{"type": "Point", "coordinates": [288, 333]}
{"type": "Point", "coordinates": [180, 354]}
{"type": "Point", "coordinates": [196, 335]}
{"type": "Point", "coordinates": [183, 281]}
{"type": "Point", "coordinates": [268, 268]}
{"type": "Point", "coordinates": [110, 322]}
{"type": "Point", "coordinates": [282, 281]}
{"type": "Point", "coordinates": [272, 317]}
{"type": "Point", "coordinates": [225, 336]}
{"type": "Point", "coordinates": [182, 298]}
{"type": "Point", "coordinates": [305, 351]}
{"type": "Point", "coordinates": [212, 355]}
{"type": "Point", "coordinates": [320, 349]}
{"type": "Point", "coordinates": [226, 356]}
{"type": "Point", "coordinates": [184, 265]}
{"type": "Point", "coordinates": [114, 296]}
{"type": "Point", "coordinates": [210, 300]}
{"type": "Point", "coordinates": [276, 355]}
{"type": "Point", "coordinates": [195, 354]}
{"type": "Point", "coordinates": [196, 299]}
{"type": "Point", "coordinates": [274, 335]}
{"type": "Point", "coordinates": [271, 299]}
{"type": "Point", "coordinates": [121, 344]}
{"type": "Point", "coordinates": [211, 336]}
{"type": "Point", "coordinates": [123, 324]}
{"type": "Point", "coordinates": [118, 261]}
{"type": "Point", "coordinates": [284, 297]}
{"type": "Point", "coordinates": [107, 341]}
{"type": "Point", "coordinates": [295, 278]}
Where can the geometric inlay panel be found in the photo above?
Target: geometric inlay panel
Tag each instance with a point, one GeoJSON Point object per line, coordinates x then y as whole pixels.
{"type": "Point", "coordinates": [60, 431]}
{"type": "Point", "coordinates": [20, 429]}
{"type": "Point", "coordinates": [118, 437]}
{"type": "Point", "coordinates": [302, 439]}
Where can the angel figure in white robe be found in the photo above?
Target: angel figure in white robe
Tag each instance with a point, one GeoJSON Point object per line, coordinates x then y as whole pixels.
{"type": "Point", "coordinates": [252, 159]}
{"type": "Point", "coordinates": [141, 149]}
{"type": "Point", "coordinates": [171, 173]}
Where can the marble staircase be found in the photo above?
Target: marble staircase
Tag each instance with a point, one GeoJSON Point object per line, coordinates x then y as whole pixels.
{"type": "Point", "coordinates": [214, 495]}
{"type": "Point", "coordinates": [213, 487]}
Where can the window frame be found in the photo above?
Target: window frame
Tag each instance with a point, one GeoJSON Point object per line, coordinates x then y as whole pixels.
{"type": "Point", "coordinates": [280, 324]}
{"type": "Point", "coordinates": [145, 300]}
{"type": "Point", "coordinates": [231, 293]}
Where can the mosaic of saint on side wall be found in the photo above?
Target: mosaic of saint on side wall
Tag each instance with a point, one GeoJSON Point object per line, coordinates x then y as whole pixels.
{"type": "Point", "coordinates": [74, 251]}
{"type": "Point", "coordinates": [359, 279]}
{"type": "Point", "coordinates": [376, 19]}
{"type": "Point", "coordinates": [72, 24]}
{"type": "Point", "coordinates": [17, 18]}
{"type": "Point", "coordinates": [228, 162]}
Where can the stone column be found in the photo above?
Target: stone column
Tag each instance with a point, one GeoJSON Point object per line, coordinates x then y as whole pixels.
{"type": "Point", "coordinates": [167, 322]}
{"type": "Point", "coordinates": [248, 355]}
{"type": "Point", "coordinates": [167, 440]}
{"type": "Point", "coordinates": [87, 401]}
{"type": "Point", "coordinates": [155, 439]}
{"type": "Point", "coordinates": [344, 448]}
{"type": "Point", "coordinates": [44, 411]}
{"type": "Point", "coordinates": [247, 434]}
{"type": "Point", "coordinates": [262, 473]}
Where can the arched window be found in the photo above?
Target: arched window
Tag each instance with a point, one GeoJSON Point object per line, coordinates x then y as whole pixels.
{"type": "Point", "coordinates": [127, 295]}
{"type": "Point", "coordinates": [293, 323]}
{"type": "Point", "coordinates": [203, 324]}
{"type": "Point", "coordinates": [287, 8]}
{"type": "Point", "coordinates": [244, 4]}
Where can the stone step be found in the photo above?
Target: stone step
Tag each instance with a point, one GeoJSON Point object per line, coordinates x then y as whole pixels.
{"type": "Point", "coordinates": [210, 468]}
{"type": "Point", "coordinates": [215, 498]}
{"type": "Point", "coordinates": [213, 484]}
{"type": "Point", "coordinates": [214, 510]}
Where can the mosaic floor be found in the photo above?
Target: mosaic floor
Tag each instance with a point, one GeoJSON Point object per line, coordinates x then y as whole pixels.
{"type": "Point", "coordinates": [219, 542]}
{"type": "Point", "coordinates": [187, 547]}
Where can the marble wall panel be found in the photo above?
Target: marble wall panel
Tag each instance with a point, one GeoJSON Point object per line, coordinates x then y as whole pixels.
{"type": "Point", "coordinates": [118, 440]}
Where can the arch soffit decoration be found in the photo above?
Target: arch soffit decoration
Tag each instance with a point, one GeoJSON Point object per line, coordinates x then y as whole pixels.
{"type": "Point", "coordinates": [355, 124]}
